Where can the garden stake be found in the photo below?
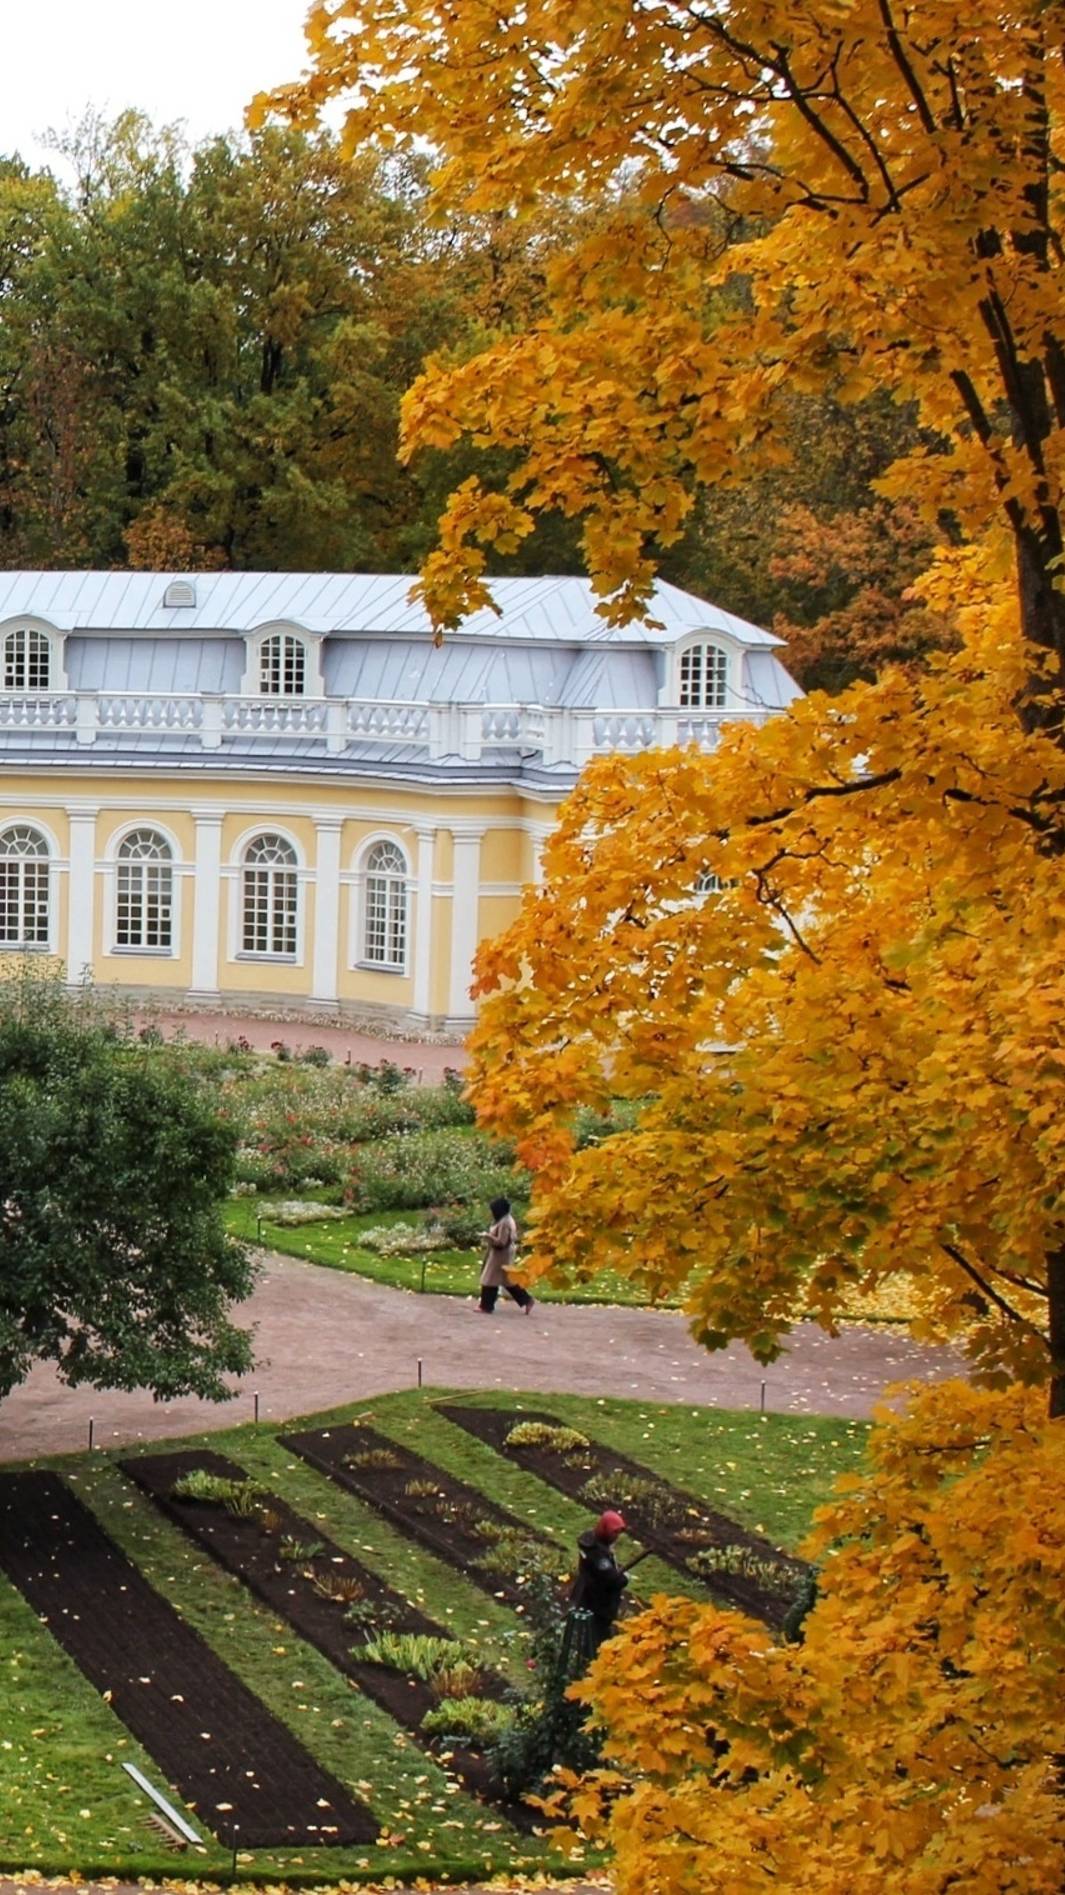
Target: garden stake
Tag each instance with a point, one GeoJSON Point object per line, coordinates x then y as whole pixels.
{"type": "Point", "coordinates": [762, 1402]}
{"type": "Point", "coordinates": [425, 1265]}
{"type": "Point", "coordinates": [236, 1845]}
{"type": "Point", "coordinates": [90, 1433]}
{"type": "Point", "coordinates": [255, 1398]}
{"type": "Point", "coordinates": [419, 1371]}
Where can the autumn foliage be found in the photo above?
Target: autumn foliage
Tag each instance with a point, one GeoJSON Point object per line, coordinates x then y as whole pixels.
{"type": "Point", "coordinates": [824, 963]}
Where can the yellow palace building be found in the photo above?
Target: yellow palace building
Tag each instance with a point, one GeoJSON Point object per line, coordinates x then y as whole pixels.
{"type": "Point", "coordinates": [270, 790]}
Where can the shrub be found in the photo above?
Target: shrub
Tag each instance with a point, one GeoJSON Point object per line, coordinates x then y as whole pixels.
{"type": "Point", "coordinates": [545, 1728]}
{"type": "Point", "coordinates": [283, 1052]}
{"type": "Point", "coordinates": [418, 1654]}
{"type": "Point", "coordinates": [398, 1240]}
{"type": "Point", "coordinates": [471, 1720]}
{"type": "Point", "coordinates": [216, 1490]}
{"type": "Point", "coordinates": [458, 1681]}
{"type": "Point", "coordinates": [647, 1498]}
{"type": "Point", "coordinates": [773, 1571]}
{"type": "Point", "coordinates": [458, 1226]}
{"type": "Point", "coordinates": [422, 1168]}
{"type": "Point", "coordinates": [372, 1457]}
{"type": "Point", "coordinates": [547, 1434]}
{"type": "Point", "coordinates": [300, 1549]}
{"type": "Point", "coordinates": [315, 1056]}
{"type": "Point", "coordinates": [294, 1212]}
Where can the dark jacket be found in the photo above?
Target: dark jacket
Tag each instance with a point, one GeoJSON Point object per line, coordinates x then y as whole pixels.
{"type": "Point", "coordinates": [600, 1581]}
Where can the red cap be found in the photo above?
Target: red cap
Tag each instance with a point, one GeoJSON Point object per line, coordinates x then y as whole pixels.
{"type": "Point", "coordinates": [609, 1525]}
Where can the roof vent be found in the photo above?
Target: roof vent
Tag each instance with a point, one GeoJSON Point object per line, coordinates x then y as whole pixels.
{"type": "Point", "coordinates": [180, 592]}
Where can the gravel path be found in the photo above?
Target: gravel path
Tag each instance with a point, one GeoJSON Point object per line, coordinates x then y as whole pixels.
{"type": "Point", "coordinates": [324, 1338]}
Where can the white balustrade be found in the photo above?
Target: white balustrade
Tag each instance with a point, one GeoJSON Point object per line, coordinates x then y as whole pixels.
{"type": "Point", "coordinates": [562, 735]}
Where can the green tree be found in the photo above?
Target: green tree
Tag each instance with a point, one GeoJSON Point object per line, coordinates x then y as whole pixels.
{"type": "Point", "coordinates": [115, 1263]}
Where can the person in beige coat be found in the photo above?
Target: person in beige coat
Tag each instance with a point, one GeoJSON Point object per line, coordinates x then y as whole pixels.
{"type": "Point", "coordinates": [501, 1240]}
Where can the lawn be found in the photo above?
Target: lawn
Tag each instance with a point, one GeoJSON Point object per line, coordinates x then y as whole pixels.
{"type": "Point", "coordinates": [65, 1803]}
{"type": "Point", "coordinates": [335, 1244]}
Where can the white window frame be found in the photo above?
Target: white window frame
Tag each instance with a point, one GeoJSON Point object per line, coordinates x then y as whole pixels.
{"type": "Point", "coordinates": [47, 857]}
{"type": "Point", "coordinates": [239, 870]}
{"type": "Point", "coordinates": [361, 905]}
{"type": "Point", "coordinates": [115, 865]}
{"type": "Point", "coordinates": [27, 628]}
{"type": "Point", "coordinates": [254, 653]}
{"type": "Point", "coordinates": [707, 644]}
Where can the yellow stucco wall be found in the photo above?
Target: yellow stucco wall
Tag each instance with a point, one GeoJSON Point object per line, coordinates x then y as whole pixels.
{"type": "Point", "coordinates": [248, 807]}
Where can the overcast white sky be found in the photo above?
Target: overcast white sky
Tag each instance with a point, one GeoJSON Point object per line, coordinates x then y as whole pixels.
{"type": "Point", "coordinates": [197, 60]}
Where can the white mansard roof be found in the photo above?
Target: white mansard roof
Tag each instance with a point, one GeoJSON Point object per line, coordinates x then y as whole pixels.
{"type": "Point", "coordinates": [556, 610]}
{"type": "Point", "coordinates": [139, 680]}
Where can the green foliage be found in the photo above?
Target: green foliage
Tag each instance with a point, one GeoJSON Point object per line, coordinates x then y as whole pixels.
{"type": "Point", "coordinates": [776, 1575]}
{"type": "Point", "coordinates": [546, 1728]}
{"type": "Point", "coordinates": [212, 1489]}
{"type": "Point", "coordinates": [645, 1496]}
{"type": "Point", "coordinates": [372, 1457]}
{"type": "Point", "coordinates": [297, 1123]}
{"type": "Point", "coordinates": [546, 1434]}
{"type": "Point", "coordinates": [418, 1654]}
{"type": "Point", "coordinates": [300, 1550]}
{"type": "Point", "coordinates": [407, 1172]}
{"type": "Point", "coordinates": [114, 1162]}
{"type": "Point", "coordinates": [469, 1720]}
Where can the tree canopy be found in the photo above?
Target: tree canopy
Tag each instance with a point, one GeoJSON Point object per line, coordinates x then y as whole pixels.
{"type": "Point", "coordinates": [116, 1265]}
{"type": "Point", "coordinates": [801, 194]}
{"type": "Point", "coordinates": [824, 961]}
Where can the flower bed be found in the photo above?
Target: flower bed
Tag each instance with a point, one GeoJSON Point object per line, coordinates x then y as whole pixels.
{"type": "Point", "coordinates": [245, 1774]}
{"type": "Point", "coordinates": [739, 1567]}
{"type": "Point", "coordinates": [452, 1520]}
{"type": "Point", "coordinates": [315, 1587]}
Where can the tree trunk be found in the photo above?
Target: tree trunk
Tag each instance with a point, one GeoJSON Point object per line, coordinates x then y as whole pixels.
{"type": "Point", "coordinates": [1056, 1293]}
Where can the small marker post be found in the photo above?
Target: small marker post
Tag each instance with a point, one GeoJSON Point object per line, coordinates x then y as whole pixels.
{"type": "Point", "coordinates": [92, 1425]}
{"type": "Point", "coordinates": [419, 1371]}
{"type": "Point", "coordinates": [236, 1845]}
{"type": "Point", "coordinates": [255, 1399]}
{"type": "Point", "coordinates": [761, 1403]}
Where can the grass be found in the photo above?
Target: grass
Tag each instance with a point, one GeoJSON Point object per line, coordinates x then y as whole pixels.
{"type": "Point", "coordinates": [335, 1244]}
{"type": "Point", "coordinates": [65, 1803]}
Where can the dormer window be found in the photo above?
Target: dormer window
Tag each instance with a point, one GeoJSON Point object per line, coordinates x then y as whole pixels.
{"type": "Point", "coordinates": [27, 660]}
{"type": "Point", "coordinates": [282, 666]}
{"type": "Point", "coordinates": [703, 678]}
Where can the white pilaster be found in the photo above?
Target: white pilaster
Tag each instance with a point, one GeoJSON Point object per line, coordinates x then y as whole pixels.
{"type": "Point", "coordinates": [423, 922]}
{"type": "Point", "coordinates": [81, 890]}
{"type": "Point", "coordinates": [207, 895]}
{"type": "Point", "coordinates": [466, 884]}
{"type": "Point", "coordinates": [538, 834]}
{"type": "Point", "coordinates": [326, 909]}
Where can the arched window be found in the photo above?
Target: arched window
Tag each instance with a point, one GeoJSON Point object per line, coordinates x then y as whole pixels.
{"type": "Point", "coordinates": [704, 677]}
{"type": "Point", "coordinates": [27, 660]}
{"type": "Point", "coordinates": [708, 883]}
{"type": "Point", "coordinates": [145, 895]}
{"type": "Point", "coordinates": [385, 913]}
{"type": "Point", "coordinates": [24, 888]}
{"type": "Point", "coordinates": [270, 896]}
{"type": "Point", "coordinates": [282, 666]}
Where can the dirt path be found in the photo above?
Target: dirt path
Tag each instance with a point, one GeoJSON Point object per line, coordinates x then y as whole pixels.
{"type": "Point", "coordinates": [324, 1338]}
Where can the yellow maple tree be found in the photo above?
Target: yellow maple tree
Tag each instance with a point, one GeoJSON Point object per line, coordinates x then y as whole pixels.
{"type": "Point", "coordinates": [795, 187]}
{"type": "Point", "coordinates": [823, 964]}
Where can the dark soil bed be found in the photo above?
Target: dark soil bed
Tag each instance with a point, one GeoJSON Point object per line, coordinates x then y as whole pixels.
{"type": "Point", "coordinates": [246, 1776]}
{"type": "Point", "coordinates": [670, 1523]}
{"type": "Point", "coordinates": [445, 1519]}
{"type": "Point", "coordinates": [294, 1590]}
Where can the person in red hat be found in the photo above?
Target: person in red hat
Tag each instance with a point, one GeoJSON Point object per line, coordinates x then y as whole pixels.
{"type": "Point", "coordinates": [600, 1581]}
